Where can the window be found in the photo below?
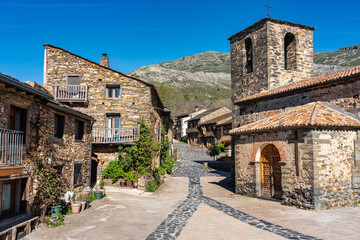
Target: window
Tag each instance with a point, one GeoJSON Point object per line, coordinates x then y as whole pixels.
{"type": "Point", "coordinates": [77, 174]}
{"type": "Point", "coordinates": [113, 121]}
{"type": "Point", "coordinates": [8, 197]}
{"type": "Point", "coordinates": [113, 91]}
{"type": "Point", "coordinates": [73, 80]}
{"type": "Point", "coordinates": [18, 120]}
{"type": "Point", "coordinates": [59, 125]}
{"type": "Point", "coordinates": [249, 55]}
{"type": "Point", "coordinates": [290, 51]}
{"type": "Point", "coordinates": [79, 129]}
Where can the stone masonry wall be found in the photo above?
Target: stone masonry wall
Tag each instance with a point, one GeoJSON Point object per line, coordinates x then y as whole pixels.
{"type": "Point", "coordinates": [333, 163]}
{"type": "Point", "coordinates": [297, 190]}
{"type": "Point", "coordinates": [137, 101]}
{"type": "Point", "coordinates": [40, 125]}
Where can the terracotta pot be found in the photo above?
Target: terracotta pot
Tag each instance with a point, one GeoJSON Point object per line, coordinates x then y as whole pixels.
{"type": "Point", "coordinates": [128, 183]}
{"type": "Point", "coordinates": [75, 208]}
{"type": "Point", "coordinates": [83, 204]}
{"type": "Point", "coordinates": [135, 183]}
{"type": "Point", "coordinates": [122, 183]}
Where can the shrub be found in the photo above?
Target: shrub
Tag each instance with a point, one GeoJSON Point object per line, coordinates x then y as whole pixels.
{"type": "Point", "coordinates": [216, 150]}
{"type": "Point", "coordinates": [114, 170]}
{"type": "Point", "coordinates": [167, 162]}
{"type": "Point", "coordinates": [151, 186]}
{"type": "Point", "coordinates": [160, 171]}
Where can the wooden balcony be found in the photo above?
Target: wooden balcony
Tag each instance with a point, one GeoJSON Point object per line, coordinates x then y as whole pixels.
{"type": "Point", "coordinates": [123, 135]}
{"type": "Point", "coordinates": [11, 152]}
{"type": "Point", "coordinates": [71, 93]}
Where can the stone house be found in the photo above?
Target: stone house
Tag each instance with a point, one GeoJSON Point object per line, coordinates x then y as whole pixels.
{"type": "Point", "coordinates": [196, 131]}
{"type": "Point", "coordinates": [210, 134]}
{"type": "Point", "coordinates": [295, 136]}
{"type": "Point", "coordinates": [33, 125]}
{"type": "Point", "coordinates": [115, 100]}
{"type": "Point", "coordinates": [222, 131]}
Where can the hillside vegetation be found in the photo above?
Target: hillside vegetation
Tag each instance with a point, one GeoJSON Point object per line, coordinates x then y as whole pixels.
{"type": "Point", "coordinates": [204, 79]}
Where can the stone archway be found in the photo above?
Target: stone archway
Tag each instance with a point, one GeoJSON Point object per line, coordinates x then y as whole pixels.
{"type": "Point", "coordinates": [270, 172]}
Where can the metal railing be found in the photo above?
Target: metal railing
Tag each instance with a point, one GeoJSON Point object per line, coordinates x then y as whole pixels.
{"type": "Point", "coordinates": [11, 147]}
{"type": "Point", "coordinates": [115, 135]}
{"type": "Point", "coordinates": [66, 92]}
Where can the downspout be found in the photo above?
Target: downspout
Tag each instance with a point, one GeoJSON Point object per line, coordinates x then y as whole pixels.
{"type": "Point", "coordinates": [91, 128]}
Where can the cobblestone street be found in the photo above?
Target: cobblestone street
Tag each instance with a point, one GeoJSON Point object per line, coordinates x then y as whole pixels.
{"type": "Point", "coordinates": [197, 202]}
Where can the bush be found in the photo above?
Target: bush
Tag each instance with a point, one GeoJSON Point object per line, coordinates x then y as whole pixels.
{"type": "Point", "coordinates": [216, 150]}
{"type": "Point", "coordinates": [66, 210]}
{"type": "Point", "coordinates": [160, 171]}
{"type": "Point", "coordinates": [114, 171]}
{"type": "Point", "coordinates": [167, 162]}
{"type": "Point", "coordinates": [151, 186]}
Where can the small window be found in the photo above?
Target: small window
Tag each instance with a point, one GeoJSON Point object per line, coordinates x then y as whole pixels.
{"type": "Point", "coordinates": [290, 51]}
{"type": "Point", "coordinates": [77, 174]}
{"type": "Point", "coordinates": [59, 126]}
{"type": "Point", "coordinates": [73, 80]}
{"type": "Point", "coordinates": [79, 130]}
{"type": "Point", "coordinates": [249, 55]}
{"type": "Point", "coordinates": [17, 120]}
{"type": "Point", "coordinates": [113, 91]}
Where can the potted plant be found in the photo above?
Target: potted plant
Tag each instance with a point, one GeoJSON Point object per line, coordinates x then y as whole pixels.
{"type": "Point", "coordinates": [75, 206]}
{"type": "Point", "coordinates": [55, 209]}
{"type": "Point", "coordinates": [122, 182]}
{"type": "Point", "coordinates": [102, 189]}
{"type": "Point", "coordinates": [135, 179]}
{"type": "Point", "coordinates": [128, 178]}
{"type": "Point", "coordinates": [98, 195]}
{"type": "Point", "coordinates": [82, 199]}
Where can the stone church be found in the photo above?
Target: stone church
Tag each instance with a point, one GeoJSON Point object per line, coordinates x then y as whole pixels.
{"type": "Point", "coordinates": [295, 136]}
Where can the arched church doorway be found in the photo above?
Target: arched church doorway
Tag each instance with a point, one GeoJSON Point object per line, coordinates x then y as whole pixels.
{"type": "Point", "coordinates": [270, 170]}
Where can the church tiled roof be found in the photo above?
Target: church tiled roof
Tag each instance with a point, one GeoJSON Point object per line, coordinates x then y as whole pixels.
{"type": "Point", "coordinates": [315, 114]}
{"type": "Point", "coordinates": [305, 84]}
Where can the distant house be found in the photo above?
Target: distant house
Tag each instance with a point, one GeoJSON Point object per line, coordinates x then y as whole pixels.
{"type": "Point", "coordinates": [33, 125]}
{"type": "Point", "coordinates": [182, 123]}
{"type": "Point", "coordinates": [222, 131]}
{"type": "Point", "coordinates": [115, 100]}
{"type": "Point", "coordinates": [198, 133]}
{"type": "Point", "coordinates": [209, 130]}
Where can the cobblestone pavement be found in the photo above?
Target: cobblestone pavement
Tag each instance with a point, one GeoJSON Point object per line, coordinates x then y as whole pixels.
{"type": "Point", "coordinates": [190, 165]}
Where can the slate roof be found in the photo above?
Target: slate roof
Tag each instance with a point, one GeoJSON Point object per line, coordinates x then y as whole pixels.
{"type": "Point", "coordinates": [315, 114]}
{"type": "Point", "coordinates": [204, 114]}
{"type": "Point", "coordinates": [217, 119]}
{"type": "Point", "coordinates": [330, 78]}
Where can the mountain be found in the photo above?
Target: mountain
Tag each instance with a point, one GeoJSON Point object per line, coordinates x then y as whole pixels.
{"type": "Point", "coordinates": [204, 79]}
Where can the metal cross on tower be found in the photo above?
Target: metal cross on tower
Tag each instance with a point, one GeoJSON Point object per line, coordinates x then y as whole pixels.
{"type": "Point", "coordinates": [268, 8]}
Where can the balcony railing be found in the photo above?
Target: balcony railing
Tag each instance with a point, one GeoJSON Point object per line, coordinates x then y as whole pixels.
{"type": "Point", "coordinates": [115, 135]}
{"type": "Point", "coordinates": [76, 93]}
{"type": "Point", "coordinates": [11, 147]}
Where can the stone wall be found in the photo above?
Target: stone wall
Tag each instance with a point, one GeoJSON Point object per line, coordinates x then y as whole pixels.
{"type": "Point", "coordinates": [137, 101]}
{"type": "Point", "coordinates": [333, 164]}
{"type": "Point", "coordinates": [269, 71]}
{"type": "Point", "coordinates": [297, 190]}
{"type": "Point", "coordinates": [63, 152]}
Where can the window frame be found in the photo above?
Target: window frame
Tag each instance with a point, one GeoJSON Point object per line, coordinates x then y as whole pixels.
{"type": "Point", "coordinates": [56, 126]}
{"type": "Point", "coordinates": [286, 44]}
{"type": "Point", "coordinates": [77, 177]}
{"type": "Point", "coordinates": [113, 88]}
{"type": "Point", "coordinates": [75, 129]}
{"type": "Point", "coordinates": [23, 120]}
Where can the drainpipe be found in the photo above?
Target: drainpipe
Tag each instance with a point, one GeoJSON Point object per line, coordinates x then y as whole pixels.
{"type": "Point", "coordinates": [91, 128]}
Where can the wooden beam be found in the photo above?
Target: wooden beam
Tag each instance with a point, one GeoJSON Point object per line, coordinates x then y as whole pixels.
{"type": "Point", "coordinates": [10, 170]}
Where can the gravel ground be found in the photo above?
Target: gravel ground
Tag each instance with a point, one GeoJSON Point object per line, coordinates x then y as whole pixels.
{"type": "Point", "coordinates": [190, 163]}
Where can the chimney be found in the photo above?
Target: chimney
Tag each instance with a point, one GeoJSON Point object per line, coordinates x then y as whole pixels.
{"type": "Point", "coordinates": [104, 60]}
{"type": "Point", "coordinates": [196, 108]}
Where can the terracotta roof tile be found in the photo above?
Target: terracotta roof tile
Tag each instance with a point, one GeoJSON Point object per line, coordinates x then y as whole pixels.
{"type": "Point", "coordinates": [218, 119]}
{"type": "Point", "coordinates": [316, 114]}
{"type": "Point", "coordinates": [307, 83]}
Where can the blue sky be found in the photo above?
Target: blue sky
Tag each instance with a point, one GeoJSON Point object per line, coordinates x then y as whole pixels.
{"type": "Point", "coordinates": [135, 33]}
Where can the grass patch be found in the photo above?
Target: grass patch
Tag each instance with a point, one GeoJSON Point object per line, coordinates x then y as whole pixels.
{"type": "Point", "coordinates": [56, 221]}
{"type": "Point", "coordinates": [152, 185]}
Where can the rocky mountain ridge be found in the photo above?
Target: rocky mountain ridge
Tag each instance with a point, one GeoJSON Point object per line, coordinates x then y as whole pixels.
{"type": "Point", "coordinates": [204, 79]}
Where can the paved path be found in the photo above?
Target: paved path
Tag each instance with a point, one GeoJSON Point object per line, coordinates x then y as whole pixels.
{"type": "Point", "coordinates": [189, 167]}
{"type": "Point", "coordinates": [197, 203]}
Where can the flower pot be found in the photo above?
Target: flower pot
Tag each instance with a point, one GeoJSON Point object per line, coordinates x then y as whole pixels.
{"type": "Point", "coordinates": [135, 183]}
{"type": "Point", "coordinates": [122, 183]}
{"type": "Point", "coordinates": [75, 208]}
{"type": "Point", "coordinates": [128, 183]}
{"type": "Point", "coordinates": [83, 203]}
{"type": "Point", "coordinates": [55, 210]}
{"type": "Point", "coordinates": [98, 195]}
{"type": "Point", "coordinates": [87, 206]}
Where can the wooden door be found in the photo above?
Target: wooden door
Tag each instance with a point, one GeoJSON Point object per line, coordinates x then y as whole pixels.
{"type": "Point", "coordinates": [270, 170]}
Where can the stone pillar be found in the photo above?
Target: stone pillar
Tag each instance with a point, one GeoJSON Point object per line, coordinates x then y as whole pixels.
{"type": "Point", "coordinates": [104, 61]}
